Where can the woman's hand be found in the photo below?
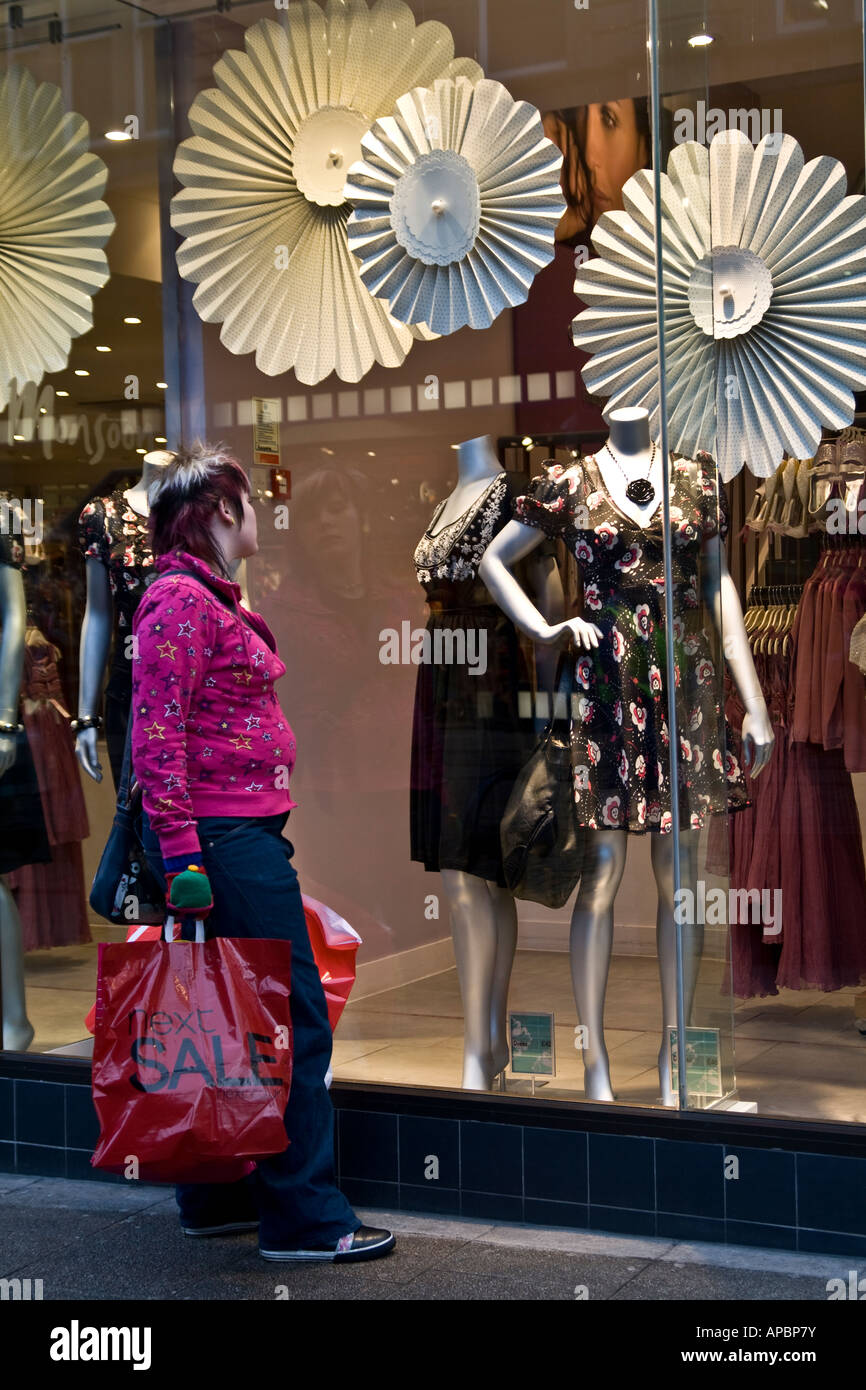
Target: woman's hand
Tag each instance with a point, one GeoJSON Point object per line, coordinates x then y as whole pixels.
{"type": "Point", "coordinates": [584, 634]}
{"type": "Point", "coordinates": [189, 893]}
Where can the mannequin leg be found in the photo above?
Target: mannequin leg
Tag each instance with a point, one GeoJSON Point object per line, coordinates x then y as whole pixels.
{"type": "Point", "coordinates": [666, 941]}
{"type": "Point", "coordinates": [17, 1028]}
{"type": "Point", "coordinates": [505, 909]}
{"type": "Point", "coordinates": [484, 928]}
{"type": "Point", "coordinates": [591, 944]}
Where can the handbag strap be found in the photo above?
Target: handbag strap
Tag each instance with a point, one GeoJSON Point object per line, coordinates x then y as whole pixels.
{"type": "Point", "coordinates": [563, 686]}
{"type": "Point", "coordinates": [124, 791]}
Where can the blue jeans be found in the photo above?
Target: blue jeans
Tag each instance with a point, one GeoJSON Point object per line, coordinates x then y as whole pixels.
{"type": "Point", "coordinates": [256, 893]}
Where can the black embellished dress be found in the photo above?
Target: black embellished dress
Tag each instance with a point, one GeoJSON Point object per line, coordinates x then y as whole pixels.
{"type": "Point", "coordinates": [110, 531]}
{"type": "Point", "coordinates": [23, 833]}
{"type": "Point", "coordinates": [469, 741]}
{"type": "Point", "coordinates": [620, 738]}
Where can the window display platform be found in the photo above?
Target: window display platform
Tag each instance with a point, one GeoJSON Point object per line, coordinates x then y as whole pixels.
{"type": "Point", "coordinates": [798, 1055]}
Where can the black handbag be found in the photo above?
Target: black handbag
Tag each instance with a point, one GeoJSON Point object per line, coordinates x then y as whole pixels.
{"type": "Point", "coordinates": [125, 889]}
{"type": "Point", "coordinates": [542, 844]}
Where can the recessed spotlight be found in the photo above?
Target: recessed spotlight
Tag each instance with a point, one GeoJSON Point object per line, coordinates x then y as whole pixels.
{"type": "Point", "coordinates": [79, 371]}
{"type": "Point", "coordinates": [371, 453]}
{"type": "Point", "coordinates": [117, 135]}
{"type": "Point", "coordinates": [325, 450]}
{"type": "Point", "coordinates": [700, 40]}
{"type": "Point", "coordinates": [163, 385]}
{"type": "Point", "coordinates": [160, 439]}
{"type": "Point", "coordinates": [141, 451]}
{"type": "Point", "coordinates": [455, 446]}
{"type": "Point", "coordinates": [131, 319]}
{"type": "Point", "coordinates": [19, 436]}
{"type": "Point", "coordinates": [42, 410]}
{"type": "Point", "coordinates": [61, 393]}
{"type": "Point", "coordinates": [527, 442]}
{"type": "Point", "coordinates": [101, 347]}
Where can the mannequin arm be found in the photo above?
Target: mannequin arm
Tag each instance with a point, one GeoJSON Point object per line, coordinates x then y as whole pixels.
{"type": "Point", "coordinates": [514, 543]}
{"type": "Point", "coordinates": [13, 615]}
{"type": "Point", "coordinates": [93, 658]}
{"type": "Point", "coordinates": [721, 596]}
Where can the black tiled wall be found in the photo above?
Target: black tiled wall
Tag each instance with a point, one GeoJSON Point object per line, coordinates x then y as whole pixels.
{"type": "Point", "coordinates": [626, 1183]}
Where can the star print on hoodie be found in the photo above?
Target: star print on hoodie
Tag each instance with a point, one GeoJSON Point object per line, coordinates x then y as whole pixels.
{"type": "Point", "coordinates": [227, 753]}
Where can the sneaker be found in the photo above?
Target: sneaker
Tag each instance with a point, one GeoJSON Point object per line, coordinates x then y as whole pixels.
{"type": "Point", "coordinates": [226, 1228]}
{"type": "Point", "coordinates": [367, 1243]}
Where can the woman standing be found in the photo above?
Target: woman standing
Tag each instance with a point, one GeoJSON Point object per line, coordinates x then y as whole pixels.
{"type": "Point", "coordinates": [213, 752]}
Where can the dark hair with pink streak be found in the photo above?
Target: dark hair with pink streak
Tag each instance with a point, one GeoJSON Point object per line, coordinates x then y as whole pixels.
{"type": "Point", "coordinates": [185, 498]}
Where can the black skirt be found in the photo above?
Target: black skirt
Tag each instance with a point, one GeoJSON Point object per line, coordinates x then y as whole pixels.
{"type": "Point", "coordinates": [468, 740]}
{"type": "Point", "coordinates": [23, 837]}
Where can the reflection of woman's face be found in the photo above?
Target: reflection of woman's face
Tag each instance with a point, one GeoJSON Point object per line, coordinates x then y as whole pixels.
{"type": "Point", "coordinates": [614, 150]}
{"type": "Point", "coordinates": [331, 530]}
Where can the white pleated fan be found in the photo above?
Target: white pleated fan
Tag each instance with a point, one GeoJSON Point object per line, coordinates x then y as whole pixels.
{"type": "Point", "coordinates": [53, 226]}
{"type": "Point", "coordinates": [764, 270]}
{"type": "Point", "coordinates": [456, 201]}
{"type": "Point", "coordinates": [263, 211]}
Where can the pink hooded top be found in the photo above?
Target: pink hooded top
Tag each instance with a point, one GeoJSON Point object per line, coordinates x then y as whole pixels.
{"type": "Point", "coordinates": [209, 737]}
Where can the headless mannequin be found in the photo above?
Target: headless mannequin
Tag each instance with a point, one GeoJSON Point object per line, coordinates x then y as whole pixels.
{"type": "Point", "coordinates": [483, 914]}
{"type": "Point", "coordinates": [591, 939]}
{"type": "Point", "coordinates": [96, 630]}
{"type": "Point", "coordinates": [17, 1028]}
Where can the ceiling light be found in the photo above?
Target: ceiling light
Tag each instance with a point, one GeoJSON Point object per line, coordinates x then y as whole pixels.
{"type": "Point", "coordinates": [527, 442]}
{"type": "Point", "coordinates": [160, 439]}
{"type": "Point", "coordinates": [131, 319]}
{"type": "Point", "coordinates": [117, 135]}
{"type": "Point", "coordinates": [327, 451]}
{"type": "Point", "coordinates": [42, 410]}
{"type": "Point", "coordinates": [61, 393]}
{"type": "Point", "coordinates": [163, 385]}
{"type": "Point", "coordinates": [100, 347]}
{"type": "Point", "coordinates": [141, 451]}
{"type": "Point", "coordinates": [18, 436]}
{"type": "Point", "coordinates": [79, 371]}
{"type": "Point", "coordinates": [371, 454]}
{"type": "Point", "coordinates": [700, 40]}
{"type": "Point", "coordinates": [455, 446]}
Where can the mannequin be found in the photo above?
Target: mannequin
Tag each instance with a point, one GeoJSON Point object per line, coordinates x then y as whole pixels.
{"type": "Point", "coordinates": [98, 625]}
{"type": "Point", "coordinates": [482, 911]}
{"type": "Point", "coordinates": [17, 1028]}
{"type": "Point", "coordinates": [631, 462]}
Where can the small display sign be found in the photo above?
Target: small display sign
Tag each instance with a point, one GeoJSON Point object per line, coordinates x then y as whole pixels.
{"type": "Point", "coordinates": [266, 430]}
{"type": "Point", "coordinates": [533, 1050]}
{"type": "Point", "coordinates": [703, 1061]}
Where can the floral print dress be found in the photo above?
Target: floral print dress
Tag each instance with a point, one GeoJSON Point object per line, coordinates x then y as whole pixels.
{"type": "Point", "coordinates": [620, 737]}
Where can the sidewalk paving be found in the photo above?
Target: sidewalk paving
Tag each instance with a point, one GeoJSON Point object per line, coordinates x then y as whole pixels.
{"type": "Point", "coordinates": [93, 1240]}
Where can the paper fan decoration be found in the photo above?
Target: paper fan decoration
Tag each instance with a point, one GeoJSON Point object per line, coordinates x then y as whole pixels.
{"type": "Point", "coordinates": [456, 201]}
{"type": "Point", "coordinates": [764, 270]}
{"type": "Point", "coordinates": [263, 211]}
{"type": "Point", "coordinates": [53, 226]}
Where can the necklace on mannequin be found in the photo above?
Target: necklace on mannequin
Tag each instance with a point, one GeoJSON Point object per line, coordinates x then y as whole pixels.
{"type": "Point", "coordinates": [639, 490]}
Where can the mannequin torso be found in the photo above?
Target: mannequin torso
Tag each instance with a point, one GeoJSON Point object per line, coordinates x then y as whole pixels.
{"type": "Point", "coordinates": [477, 466]}
{"type": "Point", "coordinates": [629, 455]}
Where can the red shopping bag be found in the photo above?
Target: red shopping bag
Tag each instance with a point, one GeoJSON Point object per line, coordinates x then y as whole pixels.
{"type": "Point", "coordinates": [192, 1057]}
{"type": "Point", "coordinates": [335, 945]}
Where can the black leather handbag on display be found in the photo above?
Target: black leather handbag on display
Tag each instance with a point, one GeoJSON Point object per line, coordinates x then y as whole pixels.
{"type": "Point", "coordinates": [542, 844]}
{"type": "Point", "coordinates": [125, 890]}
